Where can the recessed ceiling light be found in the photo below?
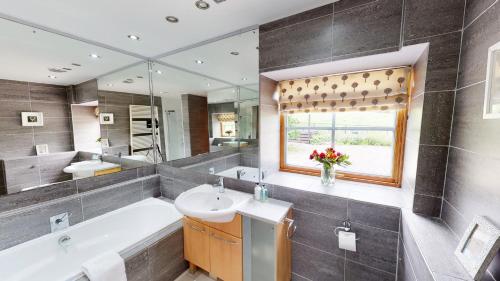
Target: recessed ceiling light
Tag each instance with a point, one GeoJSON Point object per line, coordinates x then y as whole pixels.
{"type": "Point", "coordinates": [133, 37]}
{"type": "Point", "coordinates": [208, 84]}
{"type": "Point", "coordinates": [199, 61]}
{"type": "Point", "coordinates": [76, 64]}
{"type": "Point", "coordinates": [52, 77]}
{"type": "Point", "coordinates": [159, 72]}
{"type": "Point", "coordinates": [140, 77]}
{"type": "Point", "coordinates": [244, 79]}
{"type": "Point", "coordinates": [234, 53]}
{"type": "Point", "coordinates": [94, 56]}
{"type": "Point", "coordinates": [172, 19]}
{"type": "Point", "coordinates": [202, 5]}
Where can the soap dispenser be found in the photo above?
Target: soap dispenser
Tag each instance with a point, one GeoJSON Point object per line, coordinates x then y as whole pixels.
{"type": "Point", "coordinates": [257, 192]}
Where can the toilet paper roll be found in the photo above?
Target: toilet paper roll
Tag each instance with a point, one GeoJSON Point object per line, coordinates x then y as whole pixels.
{"type": "Point", "coordinates": [347, 241]}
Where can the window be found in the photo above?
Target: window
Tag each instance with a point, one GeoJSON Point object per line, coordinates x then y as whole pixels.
{"type": "Point", "coordinates": [373, 140]}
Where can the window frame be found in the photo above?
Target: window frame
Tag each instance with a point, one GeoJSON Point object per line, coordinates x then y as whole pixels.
{"type": "Point", "coordinates": [394, 180]}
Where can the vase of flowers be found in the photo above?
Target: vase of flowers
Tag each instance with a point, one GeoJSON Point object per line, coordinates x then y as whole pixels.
{"type": "Point", "coordinates": [328, 161]}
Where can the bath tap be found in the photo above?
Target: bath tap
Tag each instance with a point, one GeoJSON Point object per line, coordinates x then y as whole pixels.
{"type": "Point", "coordinates": [64, 241]}
{"type": "Point", "coordinates": [240, 173]}
{"type": "Point", "coordinates": [220, 185]}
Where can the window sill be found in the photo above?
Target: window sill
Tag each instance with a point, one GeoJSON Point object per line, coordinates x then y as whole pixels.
{"type": "Point", "coordinates": [365, 192]}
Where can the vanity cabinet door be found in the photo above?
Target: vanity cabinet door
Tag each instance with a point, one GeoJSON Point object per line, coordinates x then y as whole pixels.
{"type": "Point", "coordinates": [196, 243]}
{"type": "Point", "coordinates": [226, 256]}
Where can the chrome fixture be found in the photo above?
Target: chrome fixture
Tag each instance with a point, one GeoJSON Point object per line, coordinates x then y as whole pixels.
{"type": "Point", "coordinates": [202, 5]}
{"type": "Point", "coordinates": [240, 173]}
{"type": "Point", "coordinates": [59, 222]}
{"type": "Point", "coordinates": [133, 37]}
{"type": "Point", "coordinates": [64, 241]}
{"type": "Point", "coordinates": [220, 185]}
{"type": "Point", "coordinates": [234, 53]}
{"type": "Point", "coordinates": [199, 61]}
{"type": "Point", "coordinates": [172, 19]}
{"type": "Point", "coordinates": [94, 56]}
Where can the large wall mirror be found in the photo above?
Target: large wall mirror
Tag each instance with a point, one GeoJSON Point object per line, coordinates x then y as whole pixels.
{"type": "Point", "coordinates": [209, 94]}
{"type": "Point", "coordinates": [66, 112]}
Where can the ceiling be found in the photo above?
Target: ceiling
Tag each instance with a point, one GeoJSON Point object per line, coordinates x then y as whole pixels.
{"type": "Point", "coordinates": [109, 22]}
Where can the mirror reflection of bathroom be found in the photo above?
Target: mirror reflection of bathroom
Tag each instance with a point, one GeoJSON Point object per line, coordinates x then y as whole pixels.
{"type": "Point", "coordinates": [52, 128]}
{"type": "Point", "coordinates": [210, 98]}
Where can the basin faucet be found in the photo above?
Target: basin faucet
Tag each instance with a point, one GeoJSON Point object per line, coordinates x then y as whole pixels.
{"type": "Point", "coordinates": [220, 184]}
{"type": "Point", "coordinates": [64, 241]}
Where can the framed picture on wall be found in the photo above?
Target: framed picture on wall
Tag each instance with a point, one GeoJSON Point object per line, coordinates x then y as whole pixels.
{"type": "Point", "coordinates": [478, 246]}
{"type": "Point", "coordinates": [32, 119]}
{"type": "Point", "coordinates": [106, 118]}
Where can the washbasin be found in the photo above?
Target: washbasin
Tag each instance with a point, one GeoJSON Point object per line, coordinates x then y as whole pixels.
{"type": "Point", "coordinates": [206, 203]}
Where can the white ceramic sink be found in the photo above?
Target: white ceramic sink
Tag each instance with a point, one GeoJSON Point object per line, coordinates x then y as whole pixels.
{"type": "Point", "coordinates": [206, 203]}
{"type": "Point", "coordinates": [86, 169]}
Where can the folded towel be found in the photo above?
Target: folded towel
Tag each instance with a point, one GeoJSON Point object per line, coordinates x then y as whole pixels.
{"type": "Point", "coordinates": [108, 266]}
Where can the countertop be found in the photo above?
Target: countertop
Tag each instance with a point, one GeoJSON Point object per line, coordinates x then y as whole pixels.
{"type": "Point", "coordinates": [272, 211]}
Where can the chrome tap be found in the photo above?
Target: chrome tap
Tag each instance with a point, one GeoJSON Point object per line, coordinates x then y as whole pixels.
{"type": "Point", "coordinates": [220, 185]}
{"type": "Point", "coordinates": [64, 241]}
{"type": "Point", "coordinates": [240, 173]}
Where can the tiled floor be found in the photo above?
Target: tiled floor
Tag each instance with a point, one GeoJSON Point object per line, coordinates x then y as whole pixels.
{"type": "Point", "coordinates": [198, 276]}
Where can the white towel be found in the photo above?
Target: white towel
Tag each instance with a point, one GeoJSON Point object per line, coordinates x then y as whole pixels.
{"type": "Point", "coordinates": [108, 266]}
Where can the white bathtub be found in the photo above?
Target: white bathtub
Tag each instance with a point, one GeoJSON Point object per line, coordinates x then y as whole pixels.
{"type": "Point", "coordinates": [123, 231]}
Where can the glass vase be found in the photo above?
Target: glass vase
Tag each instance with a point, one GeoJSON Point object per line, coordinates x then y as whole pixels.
{"type": "Point", "coordinates": [328, 175]}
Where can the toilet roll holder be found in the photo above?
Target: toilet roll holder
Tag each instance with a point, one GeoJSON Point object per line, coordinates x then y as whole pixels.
{"type": "Point", "coordinates": [346, 226]}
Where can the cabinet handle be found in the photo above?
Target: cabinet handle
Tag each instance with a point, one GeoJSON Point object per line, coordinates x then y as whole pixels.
{"type": "Point", "coordinates": [196, 228]}
{"type": "Point", "coordinates": [222, 239]}
{"type": "Point", "coordinates": [291, 228]}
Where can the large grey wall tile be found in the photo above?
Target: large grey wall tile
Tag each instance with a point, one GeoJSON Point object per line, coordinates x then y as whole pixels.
{"type": "Point", "coordinates": [442, 65]}
{"type": "Point", "coordinates": [453, 219]}
{"type": "Point", "coordinates": [58, 141]}
{"type": "Point", "coordinates": [171, 188]}
{"type": "Point", "coordinates": [51, 167]}
{"type": "Point", "coordinates": [326, 205]}
{"type": "Point", "coordinates": [414, 256]}
{"type": "Point", "coordinates": [48, 93]}
{"type": "Point", "coordinates": [298, 18]}
{"type": "Point", "coordinates": [37, 195]}
{"type": "Point", "coordinates": [368, 27]}
{"type": "Point", "coordinates": [315, 264]}
{"type": "Point", "coordinates": [51, 110]}
{"type": "Point", "coordinates": [151, 187]}
{"type": "Point", "coordinates": [428, 17]}
{"type": "Point", "coordinates": [376, 247]}
{"type": "Point", "coordinates": [317, 231]}
{"type": "Point", "coordinates": [374, 215]}
{"type": "Point", "coordinates": [13, 109]}
{"type": "Point", "coordinates": [427, 205]}
{"type": "Point", "coordinates": [470, 131]}
{"type": "Point", "coordinates": [303, 42]}
{"type": "Point", "coordinates": [181, 174]}
{"type": "Point", "coordinates": [22, 226]}
{"type": "Point", "coordinates": [296, 277]}
{"type": "Point", "coordinates": [21, 173]}
{"type": "Point", "coordinates": [88, 184]}
{"type": "Point", "coordinates": [355, 272]}
{"type": "Point", "coordinates": [436, 118]}
{"type": "Point", "coordinates": [470, 184]}
{"type": "Point", "coordinates": [431, 170]}
{"type": "Point", "coordinates": [167, 258]}
{"type": "Point", "coordinates": [137, 267]}
{"type": "Point", "coordinates": [16, 145]}
{"type": "Point", "coordinates": [100, 202]}
{"type": "Point", "coordinates": [477, 38]}
{"type": "Point", "coordinates": [349, 4]}
{"type": "Point", "coordinates": [14, 90]}
{"type": "Point", "coordinates": [475, 8]}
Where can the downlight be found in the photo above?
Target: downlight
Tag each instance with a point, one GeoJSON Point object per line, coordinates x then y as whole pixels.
{"type": "Point", "coordinates": [202, 5]}
{"type": "Point", "coordinates": [172, 19]}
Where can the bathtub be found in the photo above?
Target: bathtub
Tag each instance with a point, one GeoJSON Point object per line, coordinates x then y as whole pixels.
{"type": "Point", "coordinates": [125, 230]}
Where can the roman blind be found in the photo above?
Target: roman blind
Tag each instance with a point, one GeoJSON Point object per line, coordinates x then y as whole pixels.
{"type": "Point", "coordinates": [378, 90]}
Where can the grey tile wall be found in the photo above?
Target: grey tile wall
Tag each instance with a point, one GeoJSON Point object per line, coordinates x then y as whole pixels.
{"type": "Point", "coordinates": [474, 159]}
{"type": "Point", "coordinates": [52, 100]}
{"type": "Point", "coordinates": [25, 216]}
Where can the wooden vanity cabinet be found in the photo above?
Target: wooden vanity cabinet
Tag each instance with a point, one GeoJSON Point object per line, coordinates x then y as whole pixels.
{"type": "Point", "coordinates": [215, 247]}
